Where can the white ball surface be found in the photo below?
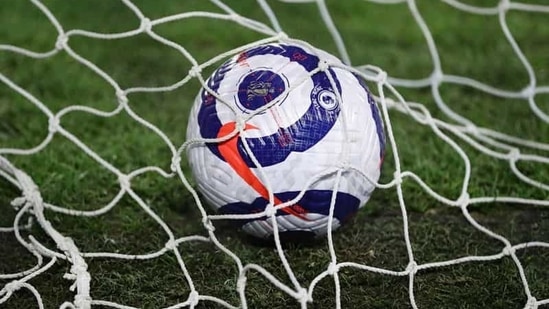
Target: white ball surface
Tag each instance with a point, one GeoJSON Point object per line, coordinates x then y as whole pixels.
{"type": "Point", "coordinates": [301, 125]}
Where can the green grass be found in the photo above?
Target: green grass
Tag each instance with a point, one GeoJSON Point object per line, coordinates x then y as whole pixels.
{"type": "Point", "coordinates": [384, 35]}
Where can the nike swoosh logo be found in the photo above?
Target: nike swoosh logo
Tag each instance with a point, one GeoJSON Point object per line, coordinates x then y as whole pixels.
{"type": "Point", "coordinates": [229, 151]}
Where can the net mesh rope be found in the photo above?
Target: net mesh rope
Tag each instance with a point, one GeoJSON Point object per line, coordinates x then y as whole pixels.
{"type": "Point", "coordinates": [492, 143]}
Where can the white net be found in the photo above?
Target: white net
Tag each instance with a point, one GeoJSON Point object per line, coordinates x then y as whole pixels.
{"type": "Point", "coordinates": [458, 132]}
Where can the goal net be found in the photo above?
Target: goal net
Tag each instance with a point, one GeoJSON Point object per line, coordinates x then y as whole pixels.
{"type": "Point", "coordinates": [95, 188]}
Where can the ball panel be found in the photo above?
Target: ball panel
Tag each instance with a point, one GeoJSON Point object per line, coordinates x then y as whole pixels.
{"type": "Point", "coordinates": [313, 209]}
{"type": "Point", "coordinates": [326, 120]}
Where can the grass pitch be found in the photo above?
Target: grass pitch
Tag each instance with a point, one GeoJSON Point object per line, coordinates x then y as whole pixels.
{"type": "Point", "coordinates": [383, 35]}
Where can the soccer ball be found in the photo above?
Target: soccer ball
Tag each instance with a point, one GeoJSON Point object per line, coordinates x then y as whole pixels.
{"type": "Point", "coordinates": [278, 118]}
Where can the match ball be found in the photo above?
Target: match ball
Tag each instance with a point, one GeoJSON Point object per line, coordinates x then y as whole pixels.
{"type": "Point", "coordinates": [285, 125]}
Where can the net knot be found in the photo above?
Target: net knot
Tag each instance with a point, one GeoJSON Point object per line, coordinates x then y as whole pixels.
{"type": "Point", "coordinates": [464, 199]}
{"type": "Point", "coordinates": [146, 25]}
{"type": "Point", "coordinates": [412, 267]}
{"type": "Point", "coordinates": [122, 98]}
{"type": "Point", "coordinates": [61, 41]}
{"type": "Point", "coordinates": [18, 202]}
{"type": "Point", "coordinates": [514, 154]}
{"type": "Point", "coordinates": [381, 77]}
{"type": "Point", "coordinates": [282, 36]}
{"type": "Point", "coordinates": [234, 16]}
{"type": "Point", "coordinates": [193, 299]}
{"type": "Point", "coordinates": [398, 177]}
{"type": "Point", "coordinates": [124, 181]}
{"type": "Point", "coordinates": [471, 128]}
{"type": "Point", "coordinates": [195, 71]}
{"type": "Point", "coordinates": [13, 286]}
{"type": "Point", "coordinates": [504, 5]}
{"type": "Point", "coordinates": [176, 160]}
{"type": "Point", "coordinates": [323, 65]}
{"type": "Point", "coordinates": [508, 250]}
{"type": "Point", "coordinates": [79, 272]}
{"type": "Point", "coordinates": [64, 244]}
{"type": "Point", "coordinates": [31, 196]}
{"type": "Point", "coordinates": [82, 301]}
{"type": "Point", "coordinates": [170, 245]}
{"type": "Point", "coordinates": [532, 303]}
{"type": "Point", "coordinates": [270, 211]}
{"type": "Point", "coordinates": [79, 269]}
{"type": "Point", "coordinates": [332, 269]}
{"type": "Point", "coordinates": [303, 296]}
{"type": "Point", "coordinates": [208, 225]}
{"type": "Point", "coordinates": [437, 77]}
{"type": "Point", "coordinates": [241, 282]}
{"type": "Point", "coordinates": [528, 92]}
{"type": "Point", "coordinates": [240, 122]}
{"type": "Point", "coordinates": [53, 124]}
